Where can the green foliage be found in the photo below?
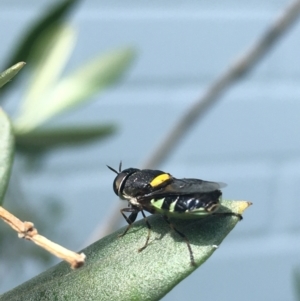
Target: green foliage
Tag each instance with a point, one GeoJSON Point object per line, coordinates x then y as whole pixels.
{"type": "Point", "coordinates": [45, 139]}
{"type": "Point", "coordinates": [6, 152]}
{"type": "Point", "coordinates": [27, 45]}
{"type": "Point", "coordinates": [46, 47]}
{"type": "Point", "coordinates": [116, 271]}
{"type": "Point", "coordinates": [296, 278]}
{"type": "Point", "coordinates": [8, 74]}
{"type": "Point", "coordinates": [71, 91]}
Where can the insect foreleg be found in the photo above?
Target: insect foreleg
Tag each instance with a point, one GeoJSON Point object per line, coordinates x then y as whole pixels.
{"type": "Point", "coordinates": [130, 219]}
{"type": "Point", "coordinates": [228, 214]}
{"type": "Point", "coordinates": [184, 237]}
{"type": "Point", "coordinates": [149, 232]}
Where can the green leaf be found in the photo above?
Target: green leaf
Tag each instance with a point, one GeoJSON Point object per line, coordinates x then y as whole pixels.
{"type": "Point", "coordinates": [44, 139]}
{"type": "Point", "coordinates": [51, 53]}
{"type": "Point", "coordinates": [8, 74]}
{"type": "Point", "coordinates": [6, 152]}
{"type": "Point", "coordinates": [296, 281]}
{"type": "Point", "coordinates": [25, 47]}
{"type": "Point", "coordinates": [116, 271]}
{"type": "Point", "coordinates": [77, 88]}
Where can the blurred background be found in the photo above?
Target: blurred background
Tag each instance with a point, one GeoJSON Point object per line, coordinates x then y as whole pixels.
{"type": "Point", "coordinates": [249, 139]}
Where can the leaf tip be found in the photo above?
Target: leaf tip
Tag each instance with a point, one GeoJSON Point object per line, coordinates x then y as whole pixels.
{"type": "Point", "coordinates": [18, 66]}
{"type": "Point", "coordinates": [242, 206]}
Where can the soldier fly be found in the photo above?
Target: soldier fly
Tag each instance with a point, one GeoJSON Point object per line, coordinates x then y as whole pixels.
{"type": "Point", "coordinates": [158, 192]}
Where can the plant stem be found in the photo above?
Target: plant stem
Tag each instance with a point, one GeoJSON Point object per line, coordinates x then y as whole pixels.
{"type": "Point", "coordinates": [26, 230]}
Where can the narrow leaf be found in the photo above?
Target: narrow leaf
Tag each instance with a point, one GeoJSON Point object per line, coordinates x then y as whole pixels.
{"type": "Point", "coordinates": [78, 87]}
{"type": "Point", "coordinates": [296, 280]}
{"type": "Point", "coordinates": [6, 152]}
{"type": "Point", "coordinates": [52, 50]}
{"type": "Point", "coordinates": [23, 50]}
{"type": "Point", "coordinates": [8, 74]}
{"type": "Point", "coordinates": [116, 271]}
{"type": "Point", "coordinates": [45, 139]}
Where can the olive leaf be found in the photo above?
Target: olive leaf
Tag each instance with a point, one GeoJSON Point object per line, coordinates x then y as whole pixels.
{"type": "Point", "coordinates": [46, 138]}
{"type": "Point", "coordinates": [6, 152]}
{"type": "Point", "coordinates": [9, 73]}
{"type": "Point", "coordinates": [24, 49]}
{"type": "Point", "coordinates": [52, 52]}
{"type": "Point", "coordinates": [114, 270]}
{"type": "Point", "coordinates": [77, 88]}
{"type": "Point", "coordinates": [296, 280]}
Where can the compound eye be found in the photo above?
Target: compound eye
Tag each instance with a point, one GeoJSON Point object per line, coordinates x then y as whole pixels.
{"type": "Point", "coordinates": [160, 179]}
{"type": "Point", "coordinates": [118, 183]}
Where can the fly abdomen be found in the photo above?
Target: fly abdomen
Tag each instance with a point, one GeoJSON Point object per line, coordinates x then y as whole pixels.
{"type": "Point", "coordinates": [169, 202]}
{"type": "Point", "coordinates": [188, 206]}
{"type": "Point", "coordinates": [206, 201]}
{"type": "Point", "coordinates": [178, 204]}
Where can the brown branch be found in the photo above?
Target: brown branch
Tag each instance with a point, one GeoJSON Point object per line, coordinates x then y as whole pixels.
{"type": "Point", "coordinates": [239, 68]}
{"type": "Point", "coordinates": [27, 231]}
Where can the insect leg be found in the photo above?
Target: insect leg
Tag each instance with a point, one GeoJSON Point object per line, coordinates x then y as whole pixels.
{"type": "Point", "coordinates": [149, 233]}
{"type": "Point", "coordinates": [228, 214]}
{"type": "Point", "coordinates": [130, 219]}
{"type": "Point", "coordinates": [184, 237]}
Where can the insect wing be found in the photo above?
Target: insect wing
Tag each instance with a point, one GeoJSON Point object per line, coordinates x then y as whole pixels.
{"type": "Point", "coordinates": [186, 187]}
{"type": "Point", "coordinates": [191, 186]}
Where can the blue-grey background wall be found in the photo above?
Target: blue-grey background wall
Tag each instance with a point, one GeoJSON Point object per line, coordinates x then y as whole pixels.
{"type": "Point", "coordinates": [250, 139]}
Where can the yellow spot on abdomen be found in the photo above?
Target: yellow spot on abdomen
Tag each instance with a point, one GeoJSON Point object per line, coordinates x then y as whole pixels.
{"type": "Point", "coordinates": [160, 179]}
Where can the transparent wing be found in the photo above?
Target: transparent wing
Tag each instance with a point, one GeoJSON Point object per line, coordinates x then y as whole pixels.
{"type": "Point", "coordinates": [186, 187]}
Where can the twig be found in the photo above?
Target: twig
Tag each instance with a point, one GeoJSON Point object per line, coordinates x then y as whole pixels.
{"type": "Point", "coordinates": [239, 68]}
{"type": "Point", "coordinates": [26, 230]}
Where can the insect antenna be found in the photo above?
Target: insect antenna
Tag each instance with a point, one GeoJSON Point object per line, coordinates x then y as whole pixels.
{"type": "Point", "coordinates": [120, 166]}
{"type": "Point", "coordinates": [112, 169]}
